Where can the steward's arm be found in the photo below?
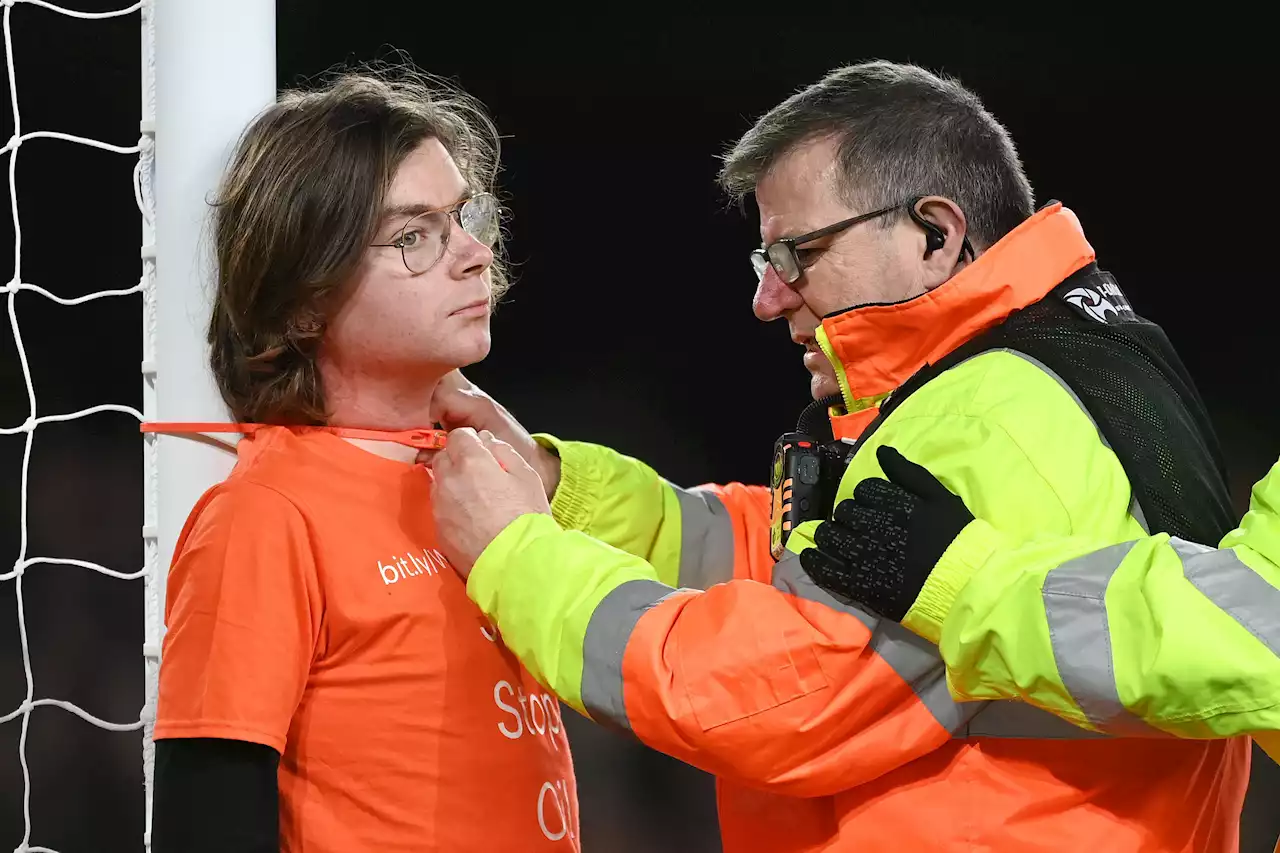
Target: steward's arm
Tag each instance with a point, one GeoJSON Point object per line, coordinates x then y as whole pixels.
{"type": "Point", "coordinates": [1189, 636]}
{"type": "Point", "coordinates": [693, 538]}
{"type": "Point", "coordinates": [776, 686]}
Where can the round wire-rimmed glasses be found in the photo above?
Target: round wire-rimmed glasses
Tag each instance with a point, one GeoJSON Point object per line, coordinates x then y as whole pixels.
{"type": "Point", "coordinates": [423, 239]}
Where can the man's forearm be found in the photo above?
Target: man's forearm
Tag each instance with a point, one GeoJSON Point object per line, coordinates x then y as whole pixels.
{"type": "Point", "coordinates": [697, 674]}
{"type": "Point", "coordinates": [694, 538]}
{"type": "Point", "coordinates": [1186, 631]}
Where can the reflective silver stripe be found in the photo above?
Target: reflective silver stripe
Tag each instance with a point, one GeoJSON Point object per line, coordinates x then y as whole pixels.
{"type": "Point", "coordinates": [606, 639]}
{"type": "Point", "coordinates": [1075, 607]}
{"type": "Point", "coordinates": [918, 663]}
{"type": "Point", "coordinates": [915, 660]}
{"type": "Point", "coordinates": [1135, 509]}
{"type": "Point", "coordinates": [790, 577]}
{"type": "Point", "coordinates": [1018, 720]}
{"type": "Point", "coordinates": [706, 539]}
{"type": "Point", "coordinates": [912, 658]}
{"type": "Point", "coordinates": [1234, 588]}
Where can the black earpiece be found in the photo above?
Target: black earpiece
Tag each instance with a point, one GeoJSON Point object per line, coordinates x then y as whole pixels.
{"type": "Point", "coordinates": [934, 238]}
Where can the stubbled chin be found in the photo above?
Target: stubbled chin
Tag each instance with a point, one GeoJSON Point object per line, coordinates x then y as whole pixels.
{"type": "Point", "coordinates": [821, 385]}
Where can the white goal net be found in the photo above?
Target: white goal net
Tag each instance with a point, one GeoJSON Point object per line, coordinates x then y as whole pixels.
{"type": "Point", "coordinates": [220, 65]}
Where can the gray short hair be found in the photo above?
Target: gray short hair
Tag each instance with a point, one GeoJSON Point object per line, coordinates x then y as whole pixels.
{"type": "Point", "coordinates": [901, 132]}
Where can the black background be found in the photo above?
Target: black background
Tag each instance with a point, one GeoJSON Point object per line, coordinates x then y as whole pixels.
{"type": "Point", "coordinates": [631, 321]}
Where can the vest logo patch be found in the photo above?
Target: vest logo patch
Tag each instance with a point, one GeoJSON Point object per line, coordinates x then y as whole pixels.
{"type": "Point", "coordinates": [1104, 303]}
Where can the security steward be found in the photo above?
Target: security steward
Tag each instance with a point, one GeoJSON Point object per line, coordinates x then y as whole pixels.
{"type": "Point", "coordinates": [950, 318]}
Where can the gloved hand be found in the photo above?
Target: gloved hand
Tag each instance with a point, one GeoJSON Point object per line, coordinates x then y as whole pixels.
{"type": "Point", "coordinates": [882, 543]}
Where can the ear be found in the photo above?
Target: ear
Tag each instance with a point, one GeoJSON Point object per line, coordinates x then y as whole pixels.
{"type": "Point", "coordinates": [942, 238]}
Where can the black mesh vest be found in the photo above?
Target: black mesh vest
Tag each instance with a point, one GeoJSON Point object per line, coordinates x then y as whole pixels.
{"type": "Point", "coordinates": [1130, 380]}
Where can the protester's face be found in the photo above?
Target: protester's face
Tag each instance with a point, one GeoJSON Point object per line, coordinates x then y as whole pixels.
{"type": "Point", "coordinates": [863, 265]}
{"type": "Point", "coordinates": [395, 323]}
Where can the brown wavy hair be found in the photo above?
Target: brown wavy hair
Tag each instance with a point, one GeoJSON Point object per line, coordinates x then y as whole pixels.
{"type": "Point", "coordinates": [298, 205]}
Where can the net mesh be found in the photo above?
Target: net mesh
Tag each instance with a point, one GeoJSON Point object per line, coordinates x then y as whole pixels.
{"type": "Point", "coordinates": [24, 562]}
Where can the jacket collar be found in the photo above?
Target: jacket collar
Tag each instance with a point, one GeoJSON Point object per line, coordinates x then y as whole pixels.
{"type": "Point", "coordinates": [876, 348]}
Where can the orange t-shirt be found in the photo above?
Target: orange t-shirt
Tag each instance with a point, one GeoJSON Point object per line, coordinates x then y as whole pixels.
{"type": "Point", "coordinates": [309, 610]}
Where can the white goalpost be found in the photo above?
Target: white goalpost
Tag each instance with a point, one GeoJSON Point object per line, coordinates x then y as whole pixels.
{"type": "Point", "coordinates": [208, 66]}
{"type": "Point", "coordinates": [214, 69]}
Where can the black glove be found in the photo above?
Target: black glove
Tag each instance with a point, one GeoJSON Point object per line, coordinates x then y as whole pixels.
{"type": "Point", "coordinates": [882, 543]}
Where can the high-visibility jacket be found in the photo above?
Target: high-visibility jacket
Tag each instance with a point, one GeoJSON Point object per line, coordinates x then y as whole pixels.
{"type": "Point", "coordinates": [1190, 640]}
{"type": "Point", "coordinates": [659, 610]}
